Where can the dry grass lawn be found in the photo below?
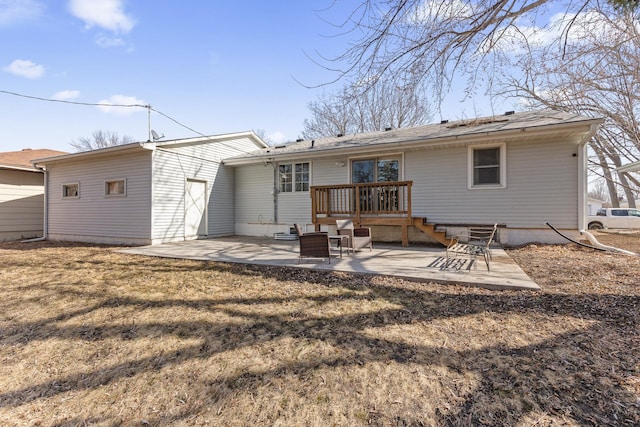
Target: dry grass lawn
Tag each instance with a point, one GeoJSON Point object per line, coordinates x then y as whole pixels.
{"type": "Point", "coordinates": [92, 337]}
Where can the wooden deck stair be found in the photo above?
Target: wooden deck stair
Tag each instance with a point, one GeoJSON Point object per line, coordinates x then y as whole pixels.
{"type": "Point", "coordinates": [430, 229]}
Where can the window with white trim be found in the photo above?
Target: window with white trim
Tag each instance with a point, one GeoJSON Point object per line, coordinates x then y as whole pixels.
{"type": "Point", "coordinates": [487, 166]}
{"type": "Point", "coordinates": [116, 187]}
{"type": "Point", "coordinates": [71, 191]}
{"type": "Point", "coordinates": [293, 177]}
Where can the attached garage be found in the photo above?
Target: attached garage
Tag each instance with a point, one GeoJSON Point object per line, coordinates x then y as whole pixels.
{"type": "Point", "coordinates": [145, 193]}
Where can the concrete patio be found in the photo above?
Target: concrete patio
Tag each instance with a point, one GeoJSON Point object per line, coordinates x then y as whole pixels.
{"type": "Point", "coordinates": [420, 263]}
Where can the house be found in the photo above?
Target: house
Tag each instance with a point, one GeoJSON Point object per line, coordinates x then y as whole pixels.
{"type": "Point", "coordinates": [593, 205]}
{"type": "Point", "coordinates": [145, 193]}
{"type": "Point", "coordinates": [519, 170]}
{"type": "Point", "coordinates": [21, 194]}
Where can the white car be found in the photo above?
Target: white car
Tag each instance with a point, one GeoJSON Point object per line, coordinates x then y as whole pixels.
{"type": "Point", "coordinates": [615, 218]}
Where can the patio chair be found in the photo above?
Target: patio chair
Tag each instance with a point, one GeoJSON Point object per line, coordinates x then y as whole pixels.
{"type": "Point", "coordinates": [476, 242]}
{"type": "Point", "coordinates": [313, 245]}
{"type": "Point", "coordinates": [359, 237]}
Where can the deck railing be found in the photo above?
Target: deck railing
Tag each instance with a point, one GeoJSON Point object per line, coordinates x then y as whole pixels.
{"type": "Point", "coordinates": [376, 199]}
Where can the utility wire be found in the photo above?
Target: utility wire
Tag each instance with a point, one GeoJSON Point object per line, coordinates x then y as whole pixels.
{"type": "Point", "coordinates": [93, 104]}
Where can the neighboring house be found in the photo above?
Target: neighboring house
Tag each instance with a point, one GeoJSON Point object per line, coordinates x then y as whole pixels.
{"type": "Point", "coordinates": [21, 194]}
{"type": "Point", "coordinates": [518, 170]}
{"type": "Point", "coordinates": [593, 205]}
{"type": "Point", "coordinates": [145, 193]}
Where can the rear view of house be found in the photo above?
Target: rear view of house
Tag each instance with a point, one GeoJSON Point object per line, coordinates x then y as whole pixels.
{"type": "Point", "coordinates": [22, 194]}
{"type": "Point", "coordinates": [145, 193]}
{"type": "Point", "coordinates": [519, 170]}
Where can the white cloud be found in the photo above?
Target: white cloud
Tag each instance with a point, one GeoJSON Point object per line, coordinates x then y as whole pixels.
{"type": "Point", "coordinates": [277, 137]}
{"type": "Point", "coordinates": [15, 11]}
{"type": "Point", "coordinates": [121, 105]}
{"type": "Point", "coordinates": [107, 14]}
{"type": "Point", "coordinates": [106, 42]}
{"type": "Point", "coordinates": [25, 68]}
{"type": "Point", "coordinates": [66, 95]}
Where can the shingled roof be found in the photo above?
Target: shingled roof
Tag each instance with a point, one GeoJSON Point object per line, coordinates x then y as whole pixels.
{"type": "Point", "coordinates": [22, 159]}
{"type": "Point", "coordinates": [424, 135]}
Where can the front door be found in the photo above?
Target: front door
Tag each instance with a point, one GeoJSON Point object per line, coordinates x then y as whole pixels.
{"type": "Point", "coordinates": [195, 217]}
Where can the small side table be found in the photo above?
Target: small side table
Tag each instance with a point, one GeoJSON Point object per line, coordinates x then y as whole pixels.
{"type": "Point", "coordinates": [341, 240]}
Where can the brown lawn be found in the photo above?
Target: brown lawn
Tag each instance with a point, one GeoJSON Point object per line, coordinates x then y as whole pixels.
{"type": "Point", "coordinates": [92, 337]}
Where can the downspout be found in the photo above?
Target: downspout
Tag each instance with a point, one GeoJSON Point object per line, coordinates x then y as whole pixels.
{"type": "Point", "coordinates": [275, 193]}
{"type": "Point", "coordinates": [582, 176]}
{"type": "Point", "coordinates": [582, 192]}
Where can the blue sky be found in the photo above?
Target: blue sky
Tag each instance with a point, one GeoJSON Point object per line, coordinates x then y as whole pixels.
{"type": "Point", "coordinates": [214, 66]}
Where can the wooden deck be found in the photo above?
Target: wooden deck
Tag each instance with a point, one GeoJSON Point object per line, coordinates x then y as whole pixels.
{"type": "Point", "coordinates": [366, 204]}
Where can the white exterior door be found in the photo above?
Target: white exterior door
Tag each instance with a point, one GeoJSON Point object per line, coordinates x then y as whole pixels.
{"type": "Point", "coordinates": [195, 216]}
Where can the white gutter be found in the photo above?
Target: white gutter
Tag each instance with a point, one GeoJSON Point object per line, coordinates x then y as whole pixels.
{"type": "Point", "coordinates": [631, 167]}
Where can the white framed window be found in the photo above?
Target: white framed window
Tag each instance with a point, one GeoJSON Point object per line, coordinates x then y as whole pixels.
{"type": "Point", "coordinates": [293, 177]}
{"type": "Point", "coordinates": [386, 169]}
{"type": "Point", "coordinates": [71, 191]}
{"type": "Point", "coordinates": [116, 187]}
{"type": "Point", "coordinates": [487, 166]}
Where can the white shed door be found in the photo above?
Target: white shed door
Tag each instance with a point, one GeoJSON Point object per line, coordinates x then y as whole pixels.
{"type": "Point", "coordinates": [195, 217]}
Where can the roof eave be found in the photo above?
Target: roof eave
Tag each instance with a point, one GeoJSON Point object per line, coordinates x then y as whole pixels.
{"type": "Point", "coordinates": [20, 168]}
{"type": "Point", "coordinates": [437, 141]}
{"type": "Point", "coordinates": [99, 152]}
{"type": "Point", "coordinates": [631, 167]}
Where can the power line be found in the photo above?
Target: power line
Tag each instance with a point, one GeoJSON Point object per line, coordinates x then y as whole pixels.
{"type": "Point", "coordinates": [94, 104]}
{"type": "Point", "coordinates": [63, 101]}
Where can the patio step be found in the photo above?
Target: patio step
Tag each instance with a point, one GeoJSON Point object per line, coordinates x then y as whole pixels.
{"type": "Point", "coordinates": [430, 230]}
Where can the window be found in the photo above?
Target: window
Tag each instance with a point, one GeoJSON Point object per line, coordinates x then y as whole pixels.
{"type": "Point", "coordinates": [375, 170]}
{"type": "Point", "coordinates": [115, 188]}
{"type": "Point", "coordinates": [487, 166]}
{"type": "Point", "coordinates": [619, 212]}
{"type": "Point", "coordinates": [374, 198]}
{"type": "Point", "coordinates": [302, 177]}
{"type": "Point", "coordinates": [70, 191]}
{"type": "Point", "coordinates": [293, 177]}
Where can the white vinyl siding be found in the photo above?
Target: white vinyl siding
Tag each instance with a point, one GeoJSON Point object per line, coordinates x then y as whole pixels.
{"type": "Point", "coordinates": [92, 216]}
{"type": "Point", "coordinates": [21, 204]}
{"type": "Point", "coordinates": [173, 166]}
{"type": "Point", "coordinates": [330, 171]}
{"type": "Point", "coordinates": [254, 197]}
{"type": "Point", "coordinates": [542, 177]}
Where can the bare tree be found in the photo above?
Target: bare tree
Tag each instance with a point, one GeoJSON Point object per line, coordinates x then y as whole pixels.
{"type": "Point", "coordinates": [358, 108]}
{"type": "Point", "coordinates": [262, 134]}
{"type": "Point", "coordinates": [598, 190]}
{"type": "Point", "coordinates": [434, 39]}
{"type": "Point", "coordinates": [595, 72]}
{"type": "Point", "coordinates": [100, 139]}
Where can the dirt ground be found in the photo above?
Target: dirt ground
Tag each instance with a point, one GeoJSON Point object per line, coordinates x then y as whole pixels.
{"type": "Point", "coordinates": [93, 337]}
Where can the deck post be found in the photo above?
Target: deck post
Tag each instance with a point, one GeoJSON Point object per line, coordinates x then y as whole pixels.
{"type": "Point", "coordinates": [314, 205]}
{"type": "Point", "coordinates": [405, 235]}
{"type": "Point", "coordinates": [357, 200]}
